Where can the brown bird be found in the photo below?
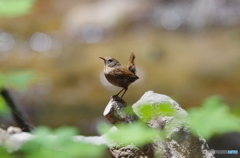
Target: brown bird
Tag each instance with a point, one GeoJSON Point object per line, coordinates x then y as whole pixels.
{"type": "Point", "coordinates": [119, 75]}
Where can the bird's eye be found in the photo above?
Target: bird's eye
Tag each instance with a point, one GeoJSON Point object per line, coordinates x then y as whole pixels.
{"type": "Point", "coordinates": [110, 60]}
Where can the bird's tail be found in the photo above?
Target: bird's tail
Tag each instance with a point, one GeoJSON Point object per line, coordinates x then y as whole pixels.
{"type": "Point", "coordinates": [131, 66]}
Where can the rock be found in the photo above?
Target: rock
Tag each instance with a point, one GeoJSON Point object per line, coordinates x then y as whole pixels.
{"type": "Point", "coordinates": [179, 142]}
{"type": "Point", "coordinates": [162, 113]}
{"type": "Point", "coordinates": [3, 136]}
{"type": "Point", "coordinates": [13, 130]}
{"type": "Point", "coordinates": [171, 123]}
{"type": "Point", "coordinates": [156, 100]}
{"type": "Point", "coordinates": [13, 138]}
{"type": "Point", "coordinates": [117, 111]}
{"type": "Point", "coordinates": [131, 151]}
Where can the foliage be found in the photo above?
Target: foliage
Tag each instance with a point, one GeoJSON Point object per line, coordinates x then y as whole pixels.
{"type": "Point", "coordinates": [103, 127]}
{"type": "Point", "coordinates": [136, 133]}
{"type": "Point", "coordinates": [58, 143]}
{"type": "Point", "coordinates": [16, 79]}
{"type": "Point", "coordinates": [13, 8]}
{"type": "Point", "coordinates": [4, 110]}
{"type": "Point", "coordinates": [213, 117]}
{"type": "Point", "coordinates": [149, 111]}
{"type": "Point", "coordinates": [4, 153]}
{"type": "Point", "coordinates": [236, 110]}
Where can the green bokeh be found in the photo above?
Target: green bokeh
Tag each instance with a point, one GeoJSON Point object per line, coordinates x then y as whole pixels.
{"type": "Point", "coordinates": [214, 117]}
{"type": "Point", "coordinates": [13, 8]}
{"type": "Point", "coordinates": [58, 143]}
{"type": "Point", "coordinates": [164, 109]}
{"type": "Point", "coordinates": [137, 133]}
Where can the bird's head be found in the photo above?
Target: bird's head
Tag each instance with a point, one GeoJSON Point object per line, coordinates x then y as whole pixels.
{"type": "Point", "coordinates": [110, 62]}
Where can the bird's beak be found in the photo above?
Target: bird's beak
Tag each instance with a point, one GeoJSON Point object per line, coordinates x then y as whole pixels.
{"type": "Point", "coordinates": [102, 58]}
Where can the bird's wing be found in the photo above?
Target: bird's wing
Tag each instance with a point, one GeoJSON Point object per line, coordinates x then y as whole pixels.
{"type": "Point", "coordinates": [124, 73]}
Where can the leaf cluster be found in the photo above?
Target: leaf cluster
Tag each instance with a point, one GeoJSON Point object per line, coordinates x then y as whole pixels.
{"type": "Point", "coordinates": [17, 80]}
{"type": "Point", "coordinates": [213, 117]}
{"type": "Point", "coordinates": [149, 111]}
{"type": "Point", "coordinates": [136, 133]}
{"type": "Point", "coordinates": [49, 143]}
{"type": "Point", "coordinates": [13, 8]}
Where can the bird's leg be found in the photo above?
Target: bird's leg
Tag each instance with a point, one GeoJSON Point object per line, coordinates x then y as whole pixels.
{"type": "Point", "coordinates": [124, 92]}
{"type": "Point", "coordinates": [117, 98]}
{"type": "Point", "coordinates": [120, 92]}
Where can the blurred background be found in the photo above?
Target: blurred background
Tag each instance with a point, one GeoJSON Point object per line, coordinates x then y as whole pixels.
{"type": "Point", "coordinates": [186, 49]}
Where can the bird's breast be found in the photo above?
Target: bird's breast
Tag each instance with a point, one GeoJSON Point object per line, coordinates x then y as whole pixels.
{"type": "Point", "coordinates": [120, 79]}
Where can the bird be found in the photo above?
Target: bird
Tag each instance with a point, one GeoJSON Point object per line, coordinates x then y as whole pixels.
{"type": "Point", "coordinates": [118, 75]}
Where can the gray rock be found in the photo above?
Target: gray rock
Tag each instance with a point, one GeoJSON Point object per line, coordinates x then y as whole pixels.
{"type": "Point", "coordinates": [156, 101]}
{"type": "Point", "coordinates": [178, 141]}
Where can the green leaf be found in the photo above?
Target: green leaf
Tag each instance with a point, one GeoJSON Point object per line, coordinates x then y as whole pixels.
{"type": "Point", "coordinates": [150, 111]}
{"type": "Point", "coordinates": [1, 82]}
{"type": "Point", "coordinates": [66, 131]}
{"type": "Point", "coordinates": [103, 127]}
{"type": "Point", "coordinates": [4, 153]}
{"type": "Point", "coordinates": [213, 117]}
{"type": "Point", "coordinates": [84, 150]}
{"type": "Point", "coordinates": [13, 8]}
{"type": "Point", "coordinates": [4, 110]}
{"type": "Point", "coordinates": [236, 110]}
{"type": "Point", "coordinates": [19, 79]}
{"type": "Point", "coordinates": [60, 144]}
{"type": "Point", "coordinates": [137, 133]}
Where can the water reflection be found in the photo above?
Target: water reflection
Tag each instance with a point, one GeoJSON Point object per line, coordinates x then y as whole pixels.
{"type": "Point", "coordinates": [170, 20]}
{"type": "Point", "coordinates": [7, 42]}
{"type": "Point", "coordinates": [40, 42]}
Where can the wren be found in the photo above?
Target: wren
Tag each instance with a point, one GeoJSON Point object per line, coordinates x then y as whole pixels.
{"type": "Point", "coordinates": [119, 75]}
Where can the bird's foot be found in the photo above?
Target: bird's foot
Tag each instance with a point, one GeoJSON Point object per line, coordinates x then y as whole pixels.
{"type": "Point", "coordinates": [117, 98]}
